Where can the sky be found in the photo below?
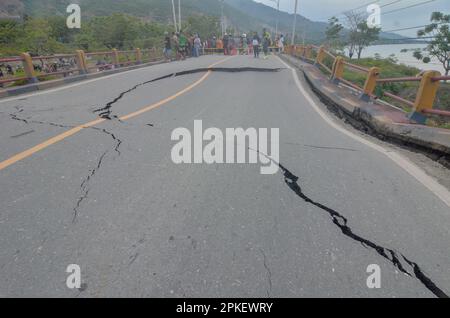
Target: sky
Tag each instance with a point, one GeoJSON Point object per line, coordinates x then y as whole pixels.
{"type": "Point", "coordinates": [321, 10]}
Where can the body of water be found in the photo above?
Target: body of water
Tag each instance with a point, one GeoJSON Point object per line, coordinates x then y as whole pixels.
{"type": "Point", "coordinates": [404, 58]}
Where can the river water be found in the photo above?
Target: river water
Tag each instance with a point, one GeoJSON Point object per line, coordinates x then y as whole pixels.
{"type": "Point", "coordinates": [404, 58]}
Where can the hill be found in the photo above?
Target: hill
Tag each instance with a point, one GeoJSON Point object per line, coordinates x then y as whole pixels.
{"type": "Point", "coordinates": [241, 15]}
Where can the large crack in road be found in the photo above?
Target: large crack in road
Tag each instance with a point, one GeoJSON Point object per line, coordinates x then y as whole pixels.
{"type": "Point", "coordinates": [397, 259]}
{"type": "Point", "coordinates": [106, 110]}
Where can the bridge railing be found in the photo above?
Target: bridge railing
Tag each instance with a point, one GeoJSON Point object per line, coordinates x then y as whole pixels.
{"type": "Point", "coordinates": [25, 68]}
{"type": "Point", "coordinates": [235, 51]}
{"type": "Point", "coordinates": [428, 81]}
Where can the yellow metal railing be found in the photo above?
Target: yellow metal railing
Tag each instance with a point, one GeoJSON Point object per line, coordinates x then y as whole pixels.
{"type": "Point", "coordinates": [429, 81]}
{"type": "Point", "coordinates": [25, 68]}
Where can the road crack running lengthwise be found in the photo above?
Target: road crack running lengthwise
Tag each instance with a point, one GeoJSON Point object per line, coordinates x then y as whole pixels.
{"type": "Point", "coordinates": [105, 111]}
{"type": "Point", "coordinates": [84, 187]}
{"type": "Point", "coordinates": [341, 222]}
{"type": "Point", "coordinates": [269, 273]}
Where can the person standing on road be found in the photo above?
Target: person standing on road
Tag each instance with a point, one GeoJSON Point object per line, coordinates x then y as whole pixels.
{"type": "Point", "coordinates": [167, 47]}
{"type": "Point", "coordinates": [244, 44]}
{"type": "Point", "coordinates": [255, 44]}
{"type": "Point", "coordinates": [219, 46]}
{"type": "Point", "coordinates": [266, 43]}
{"type": "Point", "coordinates": [176, 45]}
{"type": "Point", "coordinates": [281, 43]}
{"type": "Point", "coordinates": [225, 42]}
{"type": "Point", "coordinates": [197, 46]}
{"type": "Point", "coordinates": [182, 43]}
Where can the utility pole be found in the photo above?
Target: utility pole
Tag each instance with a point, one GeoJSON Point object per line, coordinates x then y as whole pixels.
{"type": "Point", "coordinates": [278, 16]}
{"type": "Point", "coordinates": [295, 22]}
{"type": "Point", "coordinates": [179, 14]}
{"type": "Point", "coordinates": [174, 16]}
{"type": "Point", "coordinates": [222, 22]}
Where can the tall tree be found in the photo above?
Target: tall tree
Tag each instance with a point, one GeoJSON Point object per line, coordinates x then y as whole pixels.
{"type": "Point", "coordinates": [37, 38]}
{"type": "Point", "coordinates": [439, 44]}
{"type": "Point", "coordinates": [352, 20]}
{"type": "Point", "coordinates": [365, 36]}
{"type": "Point", "coordinates": [332, 33]}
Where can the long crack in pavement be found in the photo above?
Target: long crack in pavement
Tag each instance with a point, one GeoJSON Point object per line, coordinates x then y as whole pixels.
{"type": "Point", "coordinates": [106, 111]}
{"type": "Point", "coordinates": [341, 222]}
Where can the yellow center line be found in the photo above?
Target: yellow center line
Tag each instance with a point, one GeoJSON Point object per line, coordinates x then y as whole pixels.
{"type": "Point", "coordinates": [29, 152]}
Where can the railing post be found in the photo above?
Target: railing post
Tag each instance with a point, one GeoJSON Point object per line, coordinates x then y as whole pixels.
{"type": "Point", "coordinates": [138, 56]}
{"type": "Point", "coordinates": [299, 51]}
{"type": "Point", "coordinates": [371, 83]}
{"type": "Point", "coordinates": [115, 57]}
{"type": "Point", "coordinates": [338, 69]}
{"type": "Point", "coordinates": [29, 68]}
{"type": "Point", "coordinates": [320, 55]}
{"type": "Point", "coordinates": [81, 62]}
{"type": "Point", "coordinates": [288, 50]}
{"type": "Point", "coordinates": [425, 96]}
{"type": "Point", "coordinates": [308, 50]}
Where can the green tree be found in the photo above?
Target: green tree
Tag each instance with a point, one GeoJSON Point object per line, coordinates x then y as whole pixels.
{"type": "Point", "coordinates": [332, 33]}
{"type": "Point", "coordinates": [37, 38]}
{"type": "Point", "coordinates": [352, 20]}
{"type": "Point", "coordinates": [9, 32]}
{"type": "Point", "coordinates": [205, 26]}
{"type": "Point", "coordinates": [439, 45]}
{"type": "Point", "coordinates": [364, 37]}
{"type": "Point", "coordinates": [59, 30]}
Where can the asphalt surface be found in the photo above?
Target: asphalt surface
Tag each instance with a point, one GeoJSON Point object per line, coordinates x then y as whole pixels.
{"type": "Point", "coordinates": [110, 199]}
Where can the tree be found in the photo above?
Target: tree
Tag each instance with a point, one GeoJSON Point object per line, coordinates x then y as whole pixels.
{"type": "Point", "coordinates": [9, 32]}
{"type": "Point", "coordinates": [332, 33]}
{"type": "Point", "coordinates": [205, 26]}
{"type": "Point", "coordinates": [439, 45]}
{"type": "Point", "coordinates": [352, 20]}
{"type": "Point", "coordinates": [37, 38]}
{"type": "Point", "coordinates": [365, 36]}
{"type": "Point", "coordinates": [361, 35]}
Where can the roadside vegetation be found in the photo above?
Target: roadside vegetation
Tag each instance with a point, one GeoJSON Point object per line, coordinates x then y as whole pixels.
{"type": "Point", "coordinates": [44, 36]}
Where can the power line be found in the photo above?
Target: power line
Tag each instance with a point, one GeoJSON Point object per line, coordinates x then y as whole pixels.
{"type": "Point", "coordinates": [365, 6]}
{"type": "Point", "coordinates": [404, 39]}
{"type": "Point", "coordinates": [389, 4]}
{"type": "Point", "coordinates": [353, 9]}
{"type": "Point", "coordinates": [415, 27]}
{"type": "Point", "coordinates": [408, 7]}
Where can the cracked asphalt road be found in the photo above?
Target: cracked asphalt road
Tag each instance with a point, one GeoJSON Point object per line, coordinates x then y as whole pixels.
{"type": "Point", "coordinates": [109, 198]}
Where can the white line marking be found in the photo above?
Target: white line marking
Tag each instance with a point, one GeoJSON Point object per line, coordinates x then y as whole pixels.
{"type": "Point", "coordinates": [430, 183]}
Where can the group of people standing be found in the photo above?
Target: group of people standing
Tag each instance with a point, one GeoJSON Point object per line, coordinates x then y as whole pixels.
{"type": "Point", "coordinates": [191, 45]}
{"type": "Point", "coordinates": [248, 45]}
{"type": "Point", "coordinates": [183, 45]}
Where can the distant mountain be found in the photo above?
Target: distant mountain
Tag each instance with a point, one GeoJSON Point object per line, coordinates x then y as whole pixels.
{"type": "Point", "coordinates": [241, 15]}
{"type": "Point", "coordinates": [11, 8]}
{"type": "Point", "coordinates": [310, 30]}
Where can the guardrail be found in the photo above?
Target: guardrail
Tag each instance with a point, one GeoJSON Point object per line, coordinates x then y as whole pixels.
{"type": "Point", "coordinates": [428, 81]}
{"type": "Point", "coordinates": [25, 68]}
